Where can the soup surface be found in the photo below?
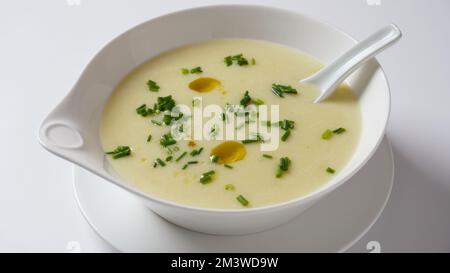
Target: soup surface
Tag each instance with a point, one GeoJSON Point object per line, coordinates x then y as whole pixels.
{"type": "Point", "coordinates": [315, 140]}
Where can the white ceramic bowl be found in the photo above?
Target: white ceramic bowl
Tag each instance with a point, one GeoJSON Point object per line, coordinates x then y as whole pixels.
{"type": "Point", "coordinates": [71, 130]}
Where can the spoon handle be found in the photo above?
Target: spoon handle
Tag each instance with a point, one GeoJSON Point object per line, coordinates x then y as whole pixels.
{"type": "Point", "coordinates": [331, 76]}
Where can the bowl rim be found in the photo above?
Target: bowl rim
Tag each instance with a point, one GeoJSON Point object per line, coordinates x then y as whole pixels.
{"type": "Point", "coordinates": [316, 194]}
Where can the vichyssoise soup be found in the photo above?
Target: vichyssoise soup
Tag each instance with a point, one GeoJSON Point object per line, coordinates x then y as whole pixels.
{"type": "Point", "coordinates": [315, 141]}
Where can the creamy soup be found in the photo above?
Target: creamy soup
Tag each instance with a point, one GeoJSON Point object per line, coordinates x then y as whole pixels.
{"type": "Point", "coordinates": [315, 140]}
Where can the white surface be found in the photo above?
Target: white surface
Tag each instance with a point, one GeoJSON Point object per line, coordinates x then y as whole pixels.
{"type": "Point", "coordinates": [45, 45]}
{"type": "Point", "coordinates": [331, 225]}
{"type": "Point", "coordinates": [76, 119]}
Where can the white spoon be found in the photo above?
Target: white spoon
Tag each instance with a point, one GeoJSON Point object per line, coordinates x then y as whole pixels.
{"type": "Point", "coordinates": [331, 76]}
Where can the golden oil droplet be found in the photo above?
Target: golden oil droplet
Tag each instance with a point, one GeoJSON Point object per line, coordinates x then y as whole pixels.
{"type": "Point", "coordinates": [229, 151]}
{"type": "Point", "coordinates": [203, 85]}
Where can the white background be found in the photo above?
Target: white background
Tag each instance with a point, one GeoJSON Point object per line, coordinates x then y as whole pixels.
{"type": "Point", "coordinates": [46, 44]}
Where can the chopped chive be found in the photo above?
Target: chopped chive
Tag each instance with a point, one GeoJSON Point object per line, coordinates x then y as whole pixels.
{"type": "Point", "coordinates": [286, 135]}
{"type": "Point", "coordinates": [224, 116]}
{"type": "Point", "coordinates": [258, 101]}
{"type": "Point", "coordinates": [284, 163]}
{"type": "Point", "coordinates": [283, 166]}
{"type": "Point", "coordinates": [286, 124]}
{"type": "Point", "coordinates": [184, 167]}
{"type": "Point", "coordinates": [277, 92]}
{"type": "Point", "coordinates": [167, 140]}
{"type": "Point", "coordinates": [117, 150]}
{"type": "Point", "coordinates": [242, 61]}
{"type": "Point", "coordinates": [267, 156]}
{"type": "Point", "coordinates": [184, 71]}
{"type": "Point", "coordinates": [155, 108]}
{"type": "Point", "coordinates": [169, 158]}
{"type": "Point", "coordinates": [246, 99]}
{"type": "Point", "coordinates": [149, 138]}
{"type": "Point", "coordinates": [330, 170]}
{"type": "Point", "coordinates": [214, 158]}
{"type": "Point", "coordinates": [230, 187]}
{"type": "Point", "coordinates": [228, 60]}
{"type": "Point", "coordinates": [249, 141]}
{"type": "Point", "coordinates": [242, 200]}
{"type": "Point", "coordinates": [228, 166]}
{"type": "Point", "coordinates": [279, 172]}
{"type": "Point", "coordinates": [339, 130]}
{"type": "Point", "coordinates": [206, 178]}
{"type": "Point", "coordinates": [167, 119]}
{"type": "Point", "coordinates": [238, 59]}
{"type": "Point", "coordinates": [165, 103]}
{"type": "Point", "coordinates": [209, 173]}
{"type": "Point", "coordinates": [120, 151]}
{"type": "Point", "coordinates": [196, 152]}
{"type": "Point", "coordinates": [196, 70]}
{"type": "Point", "coordinates": [160, 162]}
{"type": "Point", "coordinates": [181, 156]}
{"type": "Point", "coordinates": [327, 134]}
{"type": "Point", "coordinates": [152, 86]}
{"type": "Point", "coordinates": [280, 90]}
{"type": "Point", "coordinates": [121, 154]}
{"type": "Point", "coordinates": [141, 107]}
{"type": "Point", "coordinates": [156, 122]}
{"type": "Point", "coordinates": [144, 111]}
{"type": "Point", "coordinates": [192, 162]}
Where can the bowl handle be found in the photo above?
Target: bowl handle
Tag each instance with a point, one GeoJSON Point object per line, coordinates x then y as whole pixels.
{"type": "Point", "coordinates": [62, 138]}
{"type": "Point", "coordinates": [60, 133]}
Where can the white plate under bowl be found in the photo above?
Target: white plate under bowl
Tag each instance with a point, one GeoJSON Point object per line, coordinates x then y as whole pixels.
{"type": "Point", "coordinates": [332, 225]}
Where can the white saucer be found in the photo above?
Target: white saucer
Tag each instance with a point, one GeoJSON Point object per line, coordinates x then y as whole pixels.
{"type": "Point", "coordinates": [332, 225]}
